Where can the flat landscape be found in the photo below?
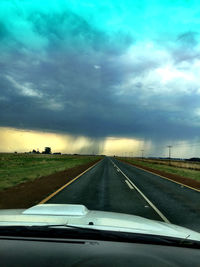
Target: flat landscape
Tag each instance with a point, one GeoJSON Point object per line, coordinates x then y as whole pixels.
{"type": "Point", "coordinates": [20, 168]}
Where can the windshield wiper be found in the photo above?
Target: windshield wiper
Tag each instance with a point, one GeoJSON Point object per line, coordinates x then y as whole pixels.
{"type": "Point", "coordinates": [66, 231]}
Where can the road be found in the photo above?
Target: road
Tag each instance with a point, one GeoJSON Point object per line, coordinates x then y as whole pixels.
{"type": "Point", "coordinates": [115, 186]}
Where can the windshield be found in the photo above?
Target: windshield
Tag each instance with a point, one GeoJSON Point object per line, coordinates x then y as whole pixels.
{"type": "Point", "coordinates": [100, 108]}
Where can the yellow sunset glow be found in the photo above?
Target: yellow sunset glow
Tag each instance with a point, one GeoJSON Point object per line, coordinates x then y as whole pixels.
{"type": "Point", "coordinates": [123, 146]}
{"type": "Point", "coordinates": [26, 140]}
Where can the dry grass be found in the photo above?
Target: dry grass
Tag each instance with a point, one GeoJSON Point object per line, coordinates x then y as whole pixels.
{"type": "Point", "coordinates": [18, 168]}
{"type": "Point", "coordinates": [175, 163]}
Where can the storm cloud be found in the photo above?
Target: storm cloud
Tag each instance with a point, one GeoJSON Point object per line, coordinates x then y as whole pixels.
{"type": "Point", "coordinates": [117, 69]}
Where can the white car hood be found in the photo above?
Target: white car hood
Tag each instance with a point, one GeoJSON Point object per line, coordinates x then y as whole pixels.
{"type": "Point", "coordinates": [79, 215]}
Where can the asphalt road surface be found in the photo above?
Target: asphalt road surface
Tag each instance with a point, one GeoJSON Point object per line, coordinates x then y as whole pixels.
{"type": "Point", "coordinates": [115, 186]}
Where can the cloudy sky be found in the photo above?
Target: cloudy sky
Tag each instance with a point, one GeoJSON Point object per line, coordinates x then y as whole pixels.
{"type": "Point", "coordinates": [100, 76]}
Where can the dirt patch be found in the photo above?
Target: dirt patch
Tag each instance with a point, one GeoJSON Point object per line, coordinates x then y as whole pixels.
{"type": "Point", "coordinates": [31, 193]}
{"type": "Point", "coordinates": [186, 181]}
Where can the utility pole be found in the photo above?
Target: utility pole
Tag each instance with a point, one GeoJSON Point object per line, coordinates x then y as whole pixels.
{"type": "Point", "coordinates": [169, 153]}
{"type": "Point", "coordinates": [142, 153]}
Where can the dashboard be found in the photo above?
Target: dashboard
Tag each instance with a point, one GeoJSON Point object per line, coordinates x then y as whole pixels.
{"type": "Point", "coordinates": [31, 251]}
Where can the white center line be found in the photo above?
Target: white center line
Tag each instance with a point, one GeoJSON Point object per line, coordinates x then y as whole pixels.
{"type": "Point", "coordinates": [139, 191]}
{"type": "Point", "coordinates": [129, 185]}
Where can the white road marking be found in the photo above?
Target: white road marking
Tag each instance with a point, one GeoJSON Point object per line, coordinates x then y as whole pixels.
{"type": "Point", "coordinates": [139, 191]}
{"type": "Point", "coordinates": [129, 185]}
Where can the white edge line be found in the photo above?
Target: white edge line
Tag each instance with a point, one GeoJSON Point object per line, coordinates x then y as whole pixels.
{"type": "Point", "coordinates": [129, 185]}
{"type": "Point", "coordinates": [147, 200]}
{"type": "Point", "coordinates": [163, 177]}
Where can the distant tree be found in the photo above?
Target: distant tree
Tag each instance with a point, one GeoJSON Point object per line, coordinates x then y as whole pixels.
{"type": "Point", "coordinates": [34, 151]}
{"type": "Point", "coordinates": [194, 159]}
{"type": "Point", "coordinates": [47, 150]}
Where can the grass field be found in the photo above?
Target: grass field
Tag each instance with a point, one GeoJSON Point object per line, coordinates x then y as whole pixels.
{"type": "Point", "coordinates": [176, 163]}
{"type": "Point", "coordinates": [184, 172]}
{"type": "Point", "coordinates": [18, 168]}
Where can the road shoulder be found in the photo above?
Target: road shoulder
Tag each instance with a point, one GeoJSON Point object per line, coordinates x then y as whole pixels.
{"type": "Point", "coordinates": [190, 183]}
{"type": "Point", "coordinates": [31, 193]}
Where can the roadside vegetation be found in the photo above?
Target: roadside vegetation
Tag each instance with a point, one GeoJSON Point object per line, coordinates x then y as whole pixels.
{"type": "Point", "coordinates": [176, 163]}
{"type": "Point", "coordinates": [19, 168]}
{"type": "Point", "coordinates": [187, 171]}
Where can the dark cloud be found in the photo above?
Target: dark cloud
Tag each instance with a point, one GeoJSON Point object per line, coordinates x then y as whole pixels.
{"type": "Point", "coordinates": [81, 80]}
{"type": "Point", "coordinates": [188, 39]}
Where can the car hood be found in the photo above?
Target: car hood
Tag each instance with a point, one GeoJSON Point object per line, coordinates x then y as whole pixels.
{"type": "Point", "coordinates": [79, 215]}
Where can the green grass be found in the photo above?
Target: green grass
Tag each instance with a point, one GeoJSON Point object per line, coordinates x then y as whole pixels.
{"type": "Point", "coordinates": [18, 168]}
{"type": "Point", "coordinates": [192, 174]}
